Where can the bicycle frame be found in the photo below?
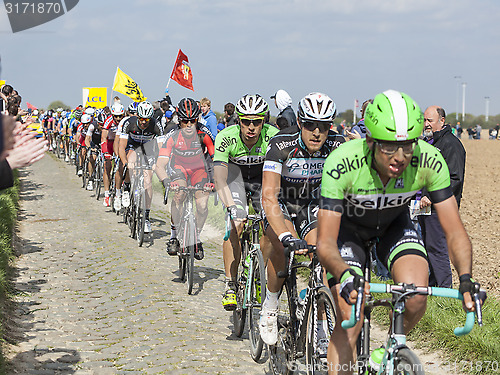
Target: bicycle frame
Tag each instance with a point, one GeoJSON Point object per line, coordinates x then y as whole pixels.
{"type": "Point", "coordinates": [254, 229]}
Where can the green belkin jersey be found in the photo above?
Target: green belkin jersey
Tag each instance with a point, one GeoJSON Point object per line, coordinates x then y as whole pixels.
{"type": "Point", "coordinates": [229, 148]}
{"type": "Point", "coordinates": [352, 186]}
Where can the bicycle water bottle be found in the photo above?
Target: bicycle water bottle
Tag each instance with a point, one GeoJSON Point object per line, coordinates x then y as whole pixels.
{"type": "Point", "coordinates": [246, 264]}
{"type": "Point", "coordinates": [375, 361]}
{"type": "Point", "coordinates": [302, 295]}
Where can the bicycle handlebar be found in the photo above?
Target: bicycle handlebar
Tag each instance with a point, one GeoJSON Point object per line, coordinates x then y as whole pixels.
{"type": "Point", "coordinates": [430, 291]}
{"type": "Point", "coordinates": [289, 254]}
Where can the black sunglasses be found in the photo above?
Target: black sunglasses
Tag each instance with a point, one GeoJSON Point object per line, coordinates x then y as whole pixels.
{"type": "Point", "coordinates": [312, 125]}
{"type": "Point", "coordinates": [255, 121]}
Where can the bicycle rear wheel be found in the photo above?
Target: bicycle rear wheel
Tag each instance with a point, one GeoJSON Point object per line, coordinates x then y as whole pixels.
{"type": "Point", "coordinates": [239, 314]}
{"type": "Point", "coordinates": [407, 363]}
{"type": "Point", "coordinates": [320, 318]}
{"type": "Point", "coordinates": [282, 355]}
{"type": "Point", "coordinates": [257, 296]}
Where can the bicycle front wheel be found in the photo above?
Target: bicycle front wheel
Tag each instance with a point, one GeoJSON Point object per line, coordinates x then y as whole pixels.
{"type": "Point", "coordinates": [141, 219]}
{"type": "Point", "coordinates": [240, 313]}
{"type": "Point", "coordinates": [282, 355]}
{"type": "Point", "coordinates": [257, 296]}
{"type": "Point", "coordinates": [320, 322]}
{"type": "Point", "coordinates": [190, 243]}
{"type": "Point", "coordinates": [98, 179]}
{"type": "Point", "coordinates": [407, 363]}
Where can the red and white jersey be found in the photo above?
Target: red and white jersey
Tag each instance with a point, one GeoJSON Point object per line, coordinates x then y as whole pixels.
{"type": "Point", "coordinates": [111, 126]}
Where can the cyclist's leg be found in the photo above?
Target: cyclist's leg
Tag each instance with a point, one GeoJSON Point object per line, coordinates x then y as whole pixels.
{"type": "Point", "coordinates": [404, 254]}
{"type": "Point", "coordinates": [342, 347]}
{"type": "Point", "coordinates": [199, 177]}
{"type": "Point", "coordinates": [108, 154]}
{"type": "Point", "coordinates": [177, 175]}
{"type": "Point", "coordinates": [231, 249]}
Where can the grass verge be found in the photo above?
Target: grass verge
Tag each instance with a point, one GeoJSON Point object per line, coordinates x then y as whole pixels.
{"type": "Point", "coordinates": [475, 353]}
{"type": "Point", "coordinates": [9, 199]}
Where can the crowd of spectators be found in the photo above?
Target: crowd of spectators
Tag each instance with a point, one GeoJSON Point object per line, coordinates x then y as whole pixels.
{"type": "Point", "coordinates": [18, 145]}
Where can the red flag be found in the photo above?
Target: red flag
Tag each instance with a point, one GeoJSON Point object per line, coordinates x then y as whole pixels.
{"type": "Point", "coordinates": [31, 106]}
{"type": "Point", "coordinates": [182, 72]}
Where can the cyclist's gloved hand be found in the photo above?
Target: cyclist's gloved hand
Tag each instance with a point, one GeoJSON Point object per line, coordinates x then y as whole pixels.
{"type": "Point", "coordinates": [294, 244]}
{"type": "Point", "coordinates": [236, 212]}
{"type": "Point", "coordinates": [349, 281]}
{"type": "Point", "coordinates": [208, 186]}
{"type": "Point", "coordinates": [165, 183]}
{"type": "Point", "coordinates": [467, 284]}
{"type": "Point", "coordinates": [174, 186]}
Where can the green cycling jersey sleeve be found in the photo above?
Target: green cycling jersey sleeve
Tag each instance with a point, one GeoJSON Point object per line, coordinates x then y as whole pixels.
{"type": "Point", "coordinates": [348, 175]}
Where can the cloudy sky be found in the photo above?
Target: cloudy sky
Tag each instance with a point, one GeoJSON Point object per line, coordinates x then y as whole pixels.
{"type": "Point", "coordinates": [348, 49]}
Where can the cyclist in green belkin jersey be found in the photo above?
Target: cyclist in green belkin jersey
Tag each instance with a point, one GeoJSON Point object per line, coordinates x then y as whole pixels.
{"type": "Point", "coordinates": [366, 187]}
{"type": "Point", "coordinates": [240, 151]}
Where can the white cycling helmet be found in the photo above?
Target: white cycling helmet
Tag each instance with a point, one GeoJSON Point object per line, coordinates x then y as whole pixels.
{"type": "Point", "coordinates": [35, 112]}
{"type": "Point", "coordinates": [86, 118]}
{"type": "Point", "coordinates": [117, 109]}
{"type": "Point", "coordinates": [90, 111]}
{"type": "Point", "coordinates": [317, 107]}
{"type": "Point", "coordinates": [252, 105]}
{"type": "Point", "coordinates": [145, 110]}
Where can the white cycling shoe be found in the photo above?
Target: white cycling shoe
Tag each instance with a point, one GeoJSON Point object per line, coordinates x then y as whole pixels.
{"type": "Point", "coordinates": [117, 204]}
{"type": "Point", "coordinates": [126, 199]}
{"type": "Point", "coordinates": [90, 186]}
{"type": "Point", "coordinates": [268, 326]}
{"type": "Point", "coordinates": [147, 226]}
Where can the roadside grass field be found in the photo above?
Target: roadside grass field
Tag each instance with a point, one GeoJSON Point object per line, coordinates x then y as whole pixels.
{"type": "Point", "coordinates": [9, 199]}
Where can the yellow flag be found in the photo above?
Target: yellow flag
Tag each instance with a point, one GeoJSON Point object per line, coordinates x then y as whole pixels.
{"type": "Point", "coordinates": [95, 96]}
{"type": "Point", "coordinates": [127, 86]}
{"type": "Point", "coordinates": [2, 82]}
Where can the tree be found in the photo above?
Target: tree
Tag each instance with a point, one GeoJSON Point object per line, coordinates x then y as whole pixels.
{"type": "Point", "coordinates": [58, 104]}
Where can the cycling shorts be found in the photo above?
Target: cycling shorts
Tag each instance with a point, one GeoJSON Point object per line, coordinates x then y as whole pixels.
{"type": "Point", "coordinates": [197, 177]}
{"type": "Point", "coordinates": [107, 147]}
{"type": "Point", "coordinates": [239, 191]}
{"type": "Point", "coordinates": [81, 141]}
{"type": "Point", "coordinates": [150, 159]}
{"type": "Point", "coordinates": [302, 214]}
{"type": "Point", "coordinates": [399, 239]}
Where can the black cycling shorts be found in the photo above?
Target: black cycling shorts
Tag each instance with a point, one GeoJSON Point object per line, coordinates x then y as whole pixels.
{"type": "Point", "coordinates": [399, 239]}
{"type": "Point", "coordinates": [302, 214]}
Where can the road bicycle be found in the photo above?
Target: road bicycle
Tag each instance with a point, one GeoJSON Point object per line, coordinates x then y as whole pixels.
{"type": "Point", "coordinates": [189, 236]}
{"type": "Point", "coordinates": [251, 283]}
{"type": "Point", "coordinates": [98, 174]}
{"type": "Point", "coordinates": [397, 357]}
{"type": "Point", "coordinates": [112, 183]}
{"type": "Point", "coordinates": [302, 320]}
{"type": "Point", "coordinates": [135, 214]}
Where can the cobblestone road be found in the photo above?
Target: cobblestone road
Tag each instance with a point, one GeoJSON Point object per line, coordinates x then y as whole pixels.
{"type": "Point", "coordinates": [92, 302]}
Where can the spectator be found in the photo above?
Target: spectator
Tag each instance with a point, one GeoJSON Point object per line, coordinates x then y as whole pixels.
{"type": "Point", "coordinates": [478, 131]}
{"type": "Point", "coordinates": [359, 130]}
{"type": "Point", "coordinates": [230, 117]}
{"type": "Point", "coordinates": [208, 117]}
{"type": "Point", "coordinates": [221, 124]}
{"type": "Point", "coordinates": [459, 130]}
{"type": "Point", "coordinates": [439, 134]}
{"type": "Point", "coordinates": [5, 94]}
{"type": "Point", "coordinates": [116, 99]}
{"type": "Point", "coordinates": [471, 132]}
{"type": "Point", "coordinates": [283, 102]}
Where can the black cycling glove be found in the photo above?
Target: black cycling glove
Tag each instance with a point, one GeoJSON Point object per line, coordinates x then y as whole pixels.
{"type": "Point", "coordinates": [349, 281]}
{"type": "Point", "coordinates": [236, 212]}
{"type": "Point", "coordinates": [467, 284]}
{"type": "Point", "coordinates": [293, 243]}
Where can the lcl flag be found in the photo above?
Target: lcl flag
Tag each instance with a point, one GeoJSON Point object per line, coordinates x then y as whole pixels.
{"type": "Point", "coordinates": [182, 73]}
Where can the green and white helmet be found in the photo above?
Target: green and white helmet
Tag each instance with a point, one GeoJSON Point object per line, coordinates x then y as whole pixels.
{"type": "Point", "coordinates": [394, 116]}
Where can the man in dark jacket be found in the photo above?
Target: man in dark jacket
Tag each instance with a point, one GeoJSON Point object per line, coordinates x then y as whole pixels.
{"type": "Point", "coordinates": [440, 136]}
{"type": "Point", "coordinates": [283, 102]}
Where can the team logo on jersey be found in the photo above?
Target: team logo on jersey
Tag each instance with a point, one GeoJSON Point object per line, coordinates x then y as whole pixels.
{"type": "Point", "coordinates": [399, 184]}
{"type": "Point", "coordinates": [346, 252]}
